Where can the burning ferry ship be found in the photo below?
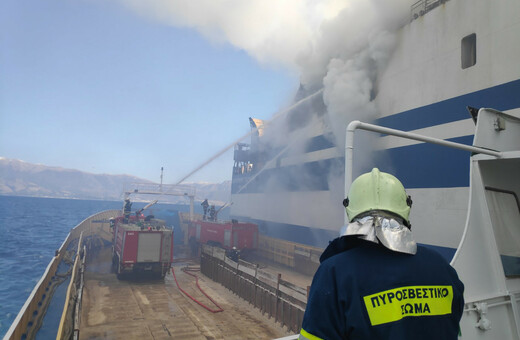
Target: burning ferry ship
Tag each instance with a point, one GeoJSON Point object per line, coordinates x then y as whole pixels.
{"type": "Point", "coordinates": [450, 58]}
{"type": "Point", "coordinates": [451, 62]}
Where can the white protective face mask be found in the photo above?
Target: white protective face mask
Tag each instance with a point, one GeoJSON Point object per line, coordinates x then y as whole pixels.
{"type": "Point", "coordinates": [382, 229]}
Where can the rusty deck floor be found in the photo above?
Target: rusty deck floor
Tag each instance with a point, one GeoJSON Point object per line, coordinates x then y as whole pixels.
{"type": "Point", "coordinates": [144, 309]}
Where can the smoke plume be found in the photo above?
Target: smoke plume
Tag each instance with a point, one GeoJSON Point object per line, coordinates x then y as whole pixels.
{"type": "Point", "coordinates": [339, 47]}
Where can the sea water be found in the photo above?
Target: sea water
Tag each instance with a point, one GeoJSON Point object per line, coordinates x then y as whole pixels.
{"type": "Point", "coordinates": [32, 229]}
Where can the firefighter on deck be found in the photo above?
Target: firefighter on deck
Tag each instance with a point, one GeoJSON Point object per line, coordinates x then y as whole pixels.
{"type": "Point", "coordinates": [234, 254]}
{"type": "Point", "coordinates": [127, 208]}
{"type": "Point", "coordinates": [205, 206]}
{"type": "Point", "coordinates": [212, 213]}
{"type": "Point", "coordinates": [374, 281]}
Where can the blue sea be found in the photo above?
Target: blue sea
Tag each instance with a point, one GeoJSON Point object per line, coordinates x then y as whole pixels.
{"type": "Point", "coordinates": [32, 228]}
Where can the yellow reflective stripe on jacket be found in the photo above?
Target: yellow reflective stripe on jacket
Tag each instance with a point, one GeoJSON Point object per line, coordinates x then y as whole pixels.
{"type": "Point", "coordinates": [304, 335]}
{"type": "Point", "coordinates": [395, 304]}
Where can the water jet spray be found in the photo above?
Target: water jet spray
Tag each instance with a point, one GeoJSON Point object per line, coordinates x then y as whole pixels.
{"type": "Point", "coordinates": [275, 117]}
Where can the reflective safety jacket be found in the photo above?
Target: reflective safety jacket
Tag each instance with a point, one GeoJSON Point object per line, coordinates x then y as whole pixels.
{"type": "Point", "coordinates": [363, 290]}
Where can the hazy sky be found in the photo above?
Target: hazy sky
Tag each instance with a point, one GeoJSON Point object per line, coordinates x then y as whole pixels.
{"type": "Point", "coordinates": [130, 86]}
{"type": "Point", "coordinates": [96, 86]}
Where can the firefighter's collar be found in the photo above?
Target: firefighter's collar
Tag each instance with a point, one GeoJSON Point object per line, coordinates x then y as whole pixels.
{"type": "Point", "coordinates": [386, 230]}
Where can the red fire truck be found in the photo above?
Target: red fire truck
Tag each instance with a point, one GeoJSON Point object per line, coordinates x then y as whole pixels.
{"type": "Point", "coordinates": [225, 234]}
{"type": "Point", "coordinates": [145, 244]}
{"type": "Point", "coordinates": [141, 245]}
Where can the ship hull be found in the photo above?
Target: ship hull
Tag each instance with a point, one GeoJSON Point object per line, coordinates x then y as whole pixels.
{"type": "Point", "coordinates": [426, 89]}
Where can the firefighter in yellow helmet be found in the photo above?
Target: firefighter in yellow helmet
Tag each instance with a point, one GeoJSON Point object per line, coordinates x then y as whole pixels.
{"type": "Point", "coordinates": [374, 281]}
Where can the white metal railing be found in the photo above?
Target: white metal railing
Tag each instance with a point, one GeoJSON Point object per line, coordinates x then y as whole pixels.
{"type": "Point", "coordinates": [161, 192]}
{"type": "Point", "coordinates": [356, 124]}
{"type": "Point", "coordinates": [421, 7]}
{"type": "Point", "coordinates": [160, 189]}
{"type": "Point", "coordinates": [18, 328]}
{"type": "Point", "coordinates": [349, 148]}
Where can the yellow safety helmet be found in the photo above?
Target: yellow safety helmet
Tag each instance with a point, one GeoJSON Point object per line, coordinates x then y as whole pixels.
{"type": "Point", "coordinates": [377, 190]}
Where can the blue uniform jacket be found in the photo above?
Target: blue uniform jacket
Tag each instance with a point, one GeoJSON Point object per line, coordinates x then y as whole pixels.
{"type": "Point", "coordinates": [362, 290]}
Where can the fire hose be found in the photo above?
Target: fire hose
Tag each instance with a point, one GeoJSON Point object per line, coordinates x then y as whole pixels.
{"type": "Point", "coordinates": [187, 270]}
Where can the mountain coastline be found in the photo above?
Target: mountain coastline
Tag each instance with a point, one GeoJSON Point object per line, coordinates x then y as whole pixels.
{"type": "Point", "coordinates": [20, 178]}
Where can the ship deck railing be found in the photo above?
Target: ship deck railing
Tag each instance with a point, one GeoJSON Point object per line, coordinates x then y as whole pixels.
{"type": "Point", "coordinates": [422, 7]}
{"type": "Point", "coordinates": [37, 302]}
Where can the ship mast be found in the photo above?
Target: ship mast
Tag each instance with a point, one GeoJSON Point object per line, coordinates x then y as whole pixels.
{"type": "Point", "coordinates": [160, 186]}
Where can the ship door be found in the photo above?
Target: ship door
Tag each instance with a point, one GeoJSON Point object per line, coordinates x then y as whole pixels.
{"type": "Point", "coordinates": [197, 232]}
{"type": "Point", "coordinates": [227, 238]}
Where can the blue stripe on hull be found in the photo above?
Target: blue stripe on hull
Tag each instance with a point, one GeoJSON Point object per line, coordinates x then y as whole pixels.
{"type": "Point", "coordinates": [310, 176]}
{"type": "Point", "coordinates": [426, 165]}
{"type": "Point", "coordinates": [316, 237]}
{"type": "Point", "coordinates": [417, 166]}
{"type": "Point", "coordinates": [502, 97]}
{"type": "Point", "coordinates": [295, 233]}
{"type": "Point", "coordinates": [445, 252]}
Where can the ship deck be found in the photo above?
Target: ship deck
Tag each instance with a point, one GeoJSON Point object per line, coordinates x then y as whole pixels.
{"type": "Point", "coordinates": [156, 309]}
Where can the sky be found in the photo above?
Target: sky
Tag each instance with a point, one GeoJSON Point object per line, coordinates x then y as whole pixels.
{"type": "Point", "coordinates": [96, 86]}
{"type": "Point", "coordinates": [130, 86]}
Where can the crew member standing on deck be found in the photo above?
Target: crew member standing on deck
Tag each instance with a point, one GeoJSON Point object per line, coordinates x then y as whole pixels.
{"type": "Point", "coordinates": [212, 213]}
{"type": "Point", "coordinates": [127, 208]}
{"type": "Point", "coordinates": [374, 282]}
{"type": "Point", "coordinates": [205, 206]}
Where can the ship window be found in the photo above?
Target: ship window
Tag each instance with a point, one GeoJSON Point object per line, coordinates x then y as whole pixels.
{"type": "Point", "coordinates": [469, 50]}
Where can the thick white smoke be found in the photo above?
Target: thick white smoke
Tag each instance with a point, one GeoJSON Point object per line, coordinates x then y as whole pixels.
{"type": "Point", "coordinates": [349, 84]}
{"type": "Point", "coordinates": [271, 31]}
{"type": "Point", "coordinates": [339, 45]}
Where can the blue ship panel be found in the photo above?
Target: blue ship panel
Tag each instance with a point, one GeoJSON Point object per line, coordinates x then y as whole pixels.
{"type": "Point", "coordinates": [316, 237]}
{"type": "Point", "coordinates": [417, 166]}
{"type": "Point", "coordinates": [445, 252]}
{"type": "Point", "coordinates": [311, 176]}
{"type": "Point", "coordinates": [294, 233]}
{"type": "Point", "coordinates": [502, 97]}
{"type": "Point", "coordinates": [425, 165]}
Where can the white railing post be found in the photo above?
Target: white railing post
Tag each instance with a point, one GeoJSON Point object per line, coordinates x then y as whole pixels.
{"type": "Point", "coordinates": [356, 124]}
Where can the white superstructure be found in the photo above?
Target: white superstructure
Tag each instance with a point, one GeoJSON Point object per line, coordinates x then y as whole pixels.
{"type": "Point", "coordinates": [456, 54]}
